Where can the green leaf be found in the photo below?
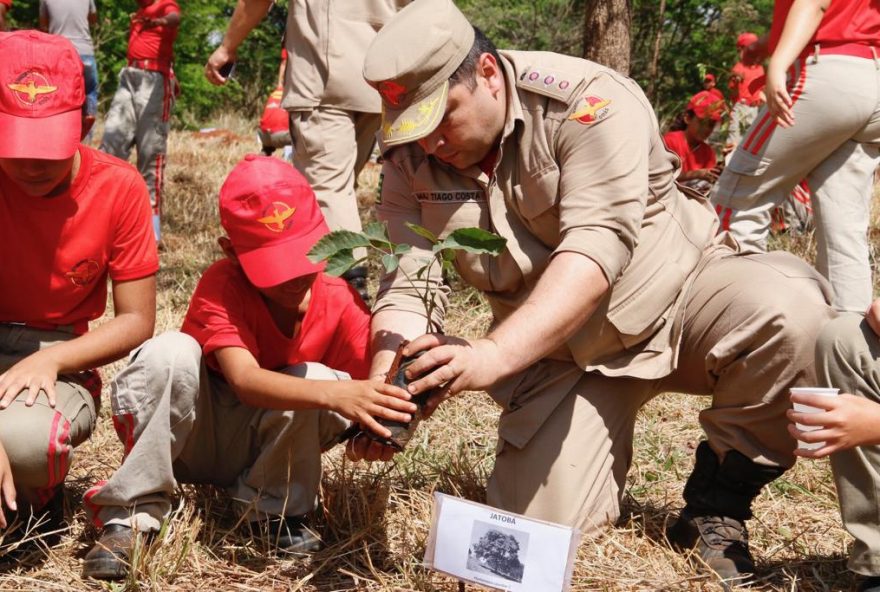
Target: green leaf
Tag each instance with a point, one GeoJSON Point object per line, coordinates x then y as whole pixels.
{"type": "Point", "coordinates": [422, 232]}
{"type": "Point", "coordinates": [390, 262]}
{"type": "Point", "coordinates": [474, 240]}
{"type": "Point", "coordinates": [377, 231]}
{"type": "Point", "coordinates": [336, 241]}
{"type": "Point", "coordinates": [401, 248]}
{"type": "Point", "coordinates": [340, 262]}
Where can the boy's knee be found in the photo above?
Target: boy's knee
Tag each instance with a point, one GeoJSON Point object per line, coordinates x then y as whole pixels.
{"type": "Point", "coordinates": [315, 371]}
{"type": "Point", "coordinates": [172, 349]}
{"type": "Point", "coordinates": [841, 342]}
{"type": "Point", "coordinates": [37, 446]}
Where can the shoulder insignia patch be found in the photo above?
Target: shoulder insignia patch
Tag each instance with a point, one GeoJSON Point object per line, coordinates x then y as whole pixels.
{"type": "Point", "coordinates": [591, 109]}
{"type": "Point", "coordinates": [549, 83]}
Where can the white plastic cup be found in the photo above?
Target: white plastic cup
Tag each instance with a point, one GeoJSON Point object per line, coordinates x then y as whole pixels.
{"type": "Point", "coordinates": [801, 408]}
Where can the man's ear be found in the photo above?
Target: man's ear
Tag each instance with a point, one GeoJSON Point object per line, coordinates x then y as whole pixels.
{"type": "Point", "coordinates": [226, 247]}
{"type": "Point", "coordinates": [489, 68]}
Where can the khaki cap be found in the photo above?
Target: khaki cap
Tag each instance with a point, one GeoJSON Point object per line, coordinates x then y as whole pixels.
{"type": "Point", "coordinates": [410, 62]}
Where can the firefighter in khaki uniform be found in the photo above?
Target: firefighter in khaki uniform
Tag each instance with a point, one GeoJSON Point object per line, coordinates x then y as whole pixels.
{"type": "Point", "coordinates": [612, 288]}
{"type": "Point", "coordinates": [334, 114]}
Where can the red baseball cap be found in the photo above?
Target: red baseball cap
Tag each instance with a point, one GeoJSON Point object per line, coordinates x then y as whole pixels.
{"type": "Point", "coordinates": [706, 104]}
{"type": "Point", "coordinates": [745, 39]}
{"type": "Point", "coordinates": [41, 96]}
{"type": "Point", "coordinates": [271, 215]}
{"type": "Point", "coordinates": [709, 77]}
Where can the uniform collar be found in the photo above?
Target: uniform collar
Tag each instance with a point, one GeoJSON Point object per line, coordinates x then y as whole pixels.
{"type": "Point", "coordinates": [514, 108]}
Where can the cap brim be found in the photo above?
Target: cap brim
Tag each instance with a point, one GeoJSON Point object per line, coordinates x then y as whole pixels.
{"type": "Point", "coordinates": [415, 121]}
{"type": "Point", "coordinates": [55, 137]}
{"type": "Point", "coordinates": [281, 262]}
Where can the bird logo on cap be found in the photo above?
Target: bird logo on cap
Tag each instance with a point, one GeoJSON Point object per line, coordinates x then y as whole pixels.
{"type": "Point", "coordinates": [590, 109]}
{"type": "Point", "coordinates": [31, 84]}
{"type": "Point", "coordinates": [277, 216]}
{"type": "Point", "coordinates": [392, 92]}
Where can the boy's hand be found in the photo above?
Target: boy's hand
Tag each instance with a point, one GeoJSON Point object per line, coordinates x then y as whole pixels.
{"type": "Point", "coordinates": [7, 487]}
{"type": "Point", "coordinates": [779, 103]}
{"type": "Point", "coordinates": [36, 372]}
{"type": "Point", "coordinates": [362, 401]}
{"type": "Point", "coordinates": [848, 421]}
{"type": "Point", "coordinates": [362, 447]}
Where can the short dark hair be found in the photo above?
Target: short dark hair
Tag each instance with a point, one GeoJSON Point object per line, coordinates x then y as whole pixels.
{"type": "Point", "coordinates": [466, 73]}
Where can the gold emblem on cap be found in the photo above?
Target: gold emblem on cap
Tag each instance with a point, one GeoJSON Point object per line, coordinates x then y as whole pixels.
{"type": "Point", "coordinates": [407, 126]}
{"type": "Point", "coordinates": [32, 90]}
{"type": "Point", "coordinates": [277, 220]}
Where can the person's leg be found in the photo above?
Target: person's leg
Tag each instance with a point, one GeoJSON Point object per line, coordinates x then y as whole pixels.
{"type": "Point", "coordinates": [153, 102]}
{"type": "Point", "coordinates": [154, 411]}
{"type": "Point", "coordinates": [565, 444]}
{"type": "Point", "coordinates": [771, 160]}
{"type": "Point", "coordinates": [842, 188]}
{"type": "Point", "coordinates": [90, 76]}
{"type": "Point", "coordinates": [121, 120]}
{"type": "Point", "coordinates": [748, 336]}
{"type": "Point", "coordinates": [848, 358]}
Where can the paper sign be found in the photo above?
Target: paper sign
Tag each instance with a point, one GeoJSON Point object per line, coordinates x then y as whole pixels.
{"type": "Point", "coordinates": [483, 545]}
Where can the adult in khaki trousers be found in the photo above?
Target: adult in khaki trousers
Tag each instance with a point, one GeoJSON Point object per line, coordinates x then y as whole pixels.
{"type": "Point", "coordinates": [611, 289]}
{"type": "Point", "coordinates": [334, 114]}
{"type": "Point", "coordinates": [822, 125]}
{"type": "Point", "coordinates": [848, 358]}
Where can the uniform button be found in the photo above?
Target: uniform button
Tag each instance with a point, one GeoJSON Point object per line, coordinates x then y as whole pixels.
{"type": "Point", "coordinates": [549, 80]}
{"type": "Point", "coordinates": [534, 76]}
{"type": "Point", "coordinates": [563, 85]}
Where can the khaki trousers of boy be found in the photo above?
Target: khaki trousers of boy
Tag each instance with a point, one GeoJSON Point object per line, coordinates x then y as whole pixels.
{"type": "Point", "coordinates": [835, 145]}
{"type": "Point", "coordinates": [139, 117]}
{"type": "Point", "coordinates": [331, 146]}
{"type": "Point", "coordinates": [748, 334]}
{"type": "Point", "coordinates": [848, 358]}
{"type": "Point", "coordinates": [181, 422]}
{"type": "Point", "coordinates": [39, 440]}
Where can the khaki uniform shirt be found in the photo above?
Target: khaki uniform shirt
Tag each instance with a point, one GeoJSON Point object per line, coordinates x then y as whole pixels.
{"type": "Point", "coordinates": [326, 44]}
{"type": "Point", "coordinates": [581, 168]}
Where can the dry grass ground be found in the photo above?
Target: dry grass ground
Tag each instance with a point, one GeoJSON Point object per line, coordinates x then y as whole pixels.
{"type": "Point", "coordinates": [377, 516]}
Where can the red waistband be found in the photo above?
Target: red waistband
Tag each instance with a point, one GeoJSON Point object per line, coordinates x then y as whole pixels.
{"type": "Point", "coordinates": [152, 65]}
{"type": "Point", "coordinates": [859, 50]}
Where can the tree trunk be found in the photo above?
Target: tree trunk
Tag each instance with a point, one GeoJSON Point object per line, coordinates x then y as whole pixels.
{"type": "Point", "coordinates": [655, 58]}
{"type": "Point", "coordinates": [606, 33]}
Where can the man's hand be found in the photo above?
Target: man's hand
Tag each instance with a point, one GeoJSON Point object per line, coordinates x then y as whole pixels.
{"type": "Point", "coordinates": [779, 102]}
{"type": "Point", "coordinates": [36, 372]}
{"type": "Point", "coordinates": [7, 487]}
{"type": "Point", "coordinates": [362, 401]}
{"type": "Point", "coordinates": [454, 363]}
{"type": "Point", "coordinates": [218, 59]}
{"type": "Point", "coordinates": [847, 421]}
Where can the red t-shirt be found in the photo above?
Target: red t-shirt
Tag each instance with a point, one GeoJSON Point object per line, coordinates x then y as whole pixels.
{"type": "Point", "coordinates": [845, 21]}
{"type": "Point", "coordinates": [154, 43]}
{"type": "Point", "coordinates": [58, 251]}
{"type": "Point", "coordinates": [227, 311]}
{"type": "Point", "coordinates": [6, 3]}
{"type": "Point", "coordinates": [275, 119]}
{"type": "Point", "coordinates": [741, 91]}
{"type": "Point", "coordinates": [701, 157]}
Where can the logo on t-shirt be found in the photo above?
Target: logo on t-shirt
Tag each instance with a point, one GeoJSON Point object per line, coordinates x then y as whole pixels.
{"type": "Point", "coordinates": [30, 87]}
{"type": "Point", "coordinates": [591, 109]}
{"type": "Point", "coordinates": [84, 272]}
{"type": "Point", "coordinates": [277, 216]}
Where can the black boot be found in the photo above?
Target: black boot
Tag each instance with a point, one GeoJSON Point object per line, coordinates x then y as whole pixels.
{"type": "Point", "coordinates": [718, 501]}
{"type": "Point", "coordinates": [357, 279]}
{"type": "Point", "coordinates": [110, 556]}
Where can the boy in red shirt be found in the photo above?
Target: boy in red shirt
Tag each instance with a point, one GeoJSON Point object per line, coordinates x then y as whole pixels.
{"type": "Point", "coordinates": [698, 160]}
{"type": "Point", "coordinates": [141, 107]}
{"type": "Point", "coordinates": [70, 217]}
{"type": "Point", "coordinates": [255, 387]}
{"type": "Point", "coordinates": [746, 89]}
{"type": "Point", "coordinates": [274, 127]}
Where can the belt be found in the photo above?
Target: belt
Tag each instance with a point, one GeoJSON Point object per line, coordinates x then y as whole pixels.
{"type": "Point", "coordinates": [859, 50]}
{"type": "Point", "coordinates": [152, 65]}
{"type": "Point", "coordinates": [77, 328]}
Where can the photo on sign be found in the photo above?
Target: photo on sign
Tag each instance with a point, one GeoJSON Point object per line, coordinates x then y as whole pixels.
{"type": "Point", "coordinates": [497, 551]}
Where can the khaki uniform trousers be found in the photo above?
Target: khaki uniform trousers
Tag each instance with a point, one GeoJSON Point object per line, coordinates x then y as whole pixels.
{"type": "Point", "coordinates": [835, 145]}
{"type": "Point", "coordinates": [848, 357]}
{"type": "Point", "coordinates": [39, 440]}
{"type": "Point", "coordinates": [139, 117]}
{"type": "Point", "coordinates": [331, 146]}
{"type": "Point", "coordinates": [748, 334]}
{"type": "Point", "coordinates": [181, 422]}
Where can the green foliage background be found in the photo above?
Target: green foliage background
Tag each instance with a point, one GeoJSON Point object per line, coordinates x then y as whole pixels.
{"type": "Point", "coordinates": [696, 36]}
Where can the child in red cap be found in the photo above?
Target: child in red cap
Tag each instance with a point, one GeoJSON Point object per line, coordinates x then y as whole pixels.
{"type": "Point", "coordinates": [698, 160]}
{"type": "Point", "coordinates": [255, 386]}
{"type": "Point", "coordinates": [70, 218]}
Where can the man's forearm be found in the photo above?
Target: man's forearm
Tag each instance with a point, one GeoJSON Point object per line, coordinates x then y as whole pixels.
{"type": "Point", "coordinates": [389, 328]}
{"type": "Point", "coordinates": [566, 295]}
{"type": "Point", "coordinates": [246, 16]}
